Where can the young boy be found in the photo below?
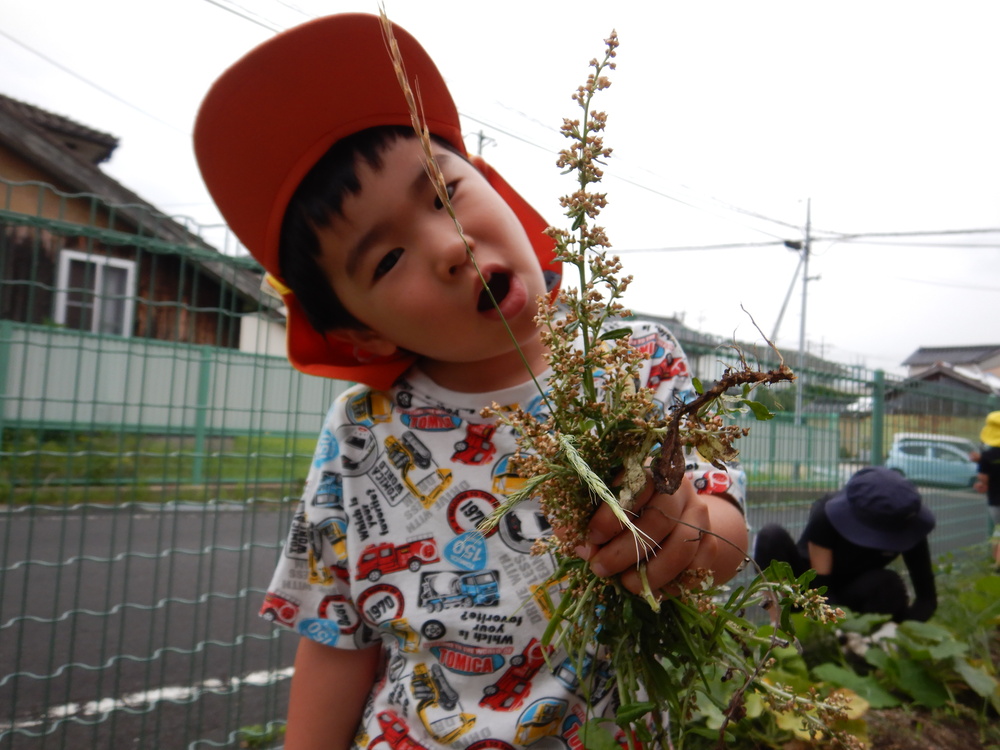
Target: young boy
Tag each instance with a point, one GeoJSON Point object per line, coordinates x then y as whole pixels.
{"type": "Point", "coordinates": [416, 630]}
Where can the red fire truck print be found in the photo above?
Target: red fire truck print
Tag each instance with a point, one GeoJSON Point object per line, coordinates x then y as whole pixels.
{"type": "Point", "coordinates": [395, 733]}
{"type": "Point", "coordinates": [378, 559]}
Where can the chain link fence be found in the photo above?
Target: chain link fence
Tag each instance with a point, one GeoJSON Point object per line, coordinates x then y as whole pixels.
{"type": "Point", "coordinates": [148, 473]}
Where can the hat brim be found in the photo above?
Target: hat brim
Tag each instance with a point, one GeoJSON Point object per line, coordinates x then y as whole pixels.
{"type": "Point", "coordinates": [902, 537]}
{"type": "Point", "coordinates": [269, 118]}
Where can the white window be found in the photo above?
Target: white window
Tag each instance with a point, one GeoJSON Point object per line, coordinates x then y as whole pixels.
{"type": "Point", "coordinates": [95, 293]}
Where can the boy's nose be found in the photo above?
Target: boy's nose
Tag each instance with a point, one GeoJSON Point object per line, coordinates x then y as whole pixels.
{"type": "Point", "coordinates": [452, 253]}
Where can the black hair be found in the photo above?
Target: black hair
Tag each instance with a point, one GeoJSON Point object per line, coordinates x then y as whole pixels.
{"type": "Point", "coordinates": [317, 199]}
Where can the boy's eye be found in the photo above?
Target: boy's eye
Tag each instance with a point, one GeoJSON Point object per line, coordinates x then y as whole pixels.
{"type": "Point", "coordinates": [438, 203]}
{"type": "Point", "coordinates": [387, 262]}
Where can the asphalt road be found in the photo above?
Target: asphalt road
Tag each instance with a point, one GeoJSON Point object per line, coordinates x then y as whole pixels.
{"type": "Point", "coordinates": [163, 670]}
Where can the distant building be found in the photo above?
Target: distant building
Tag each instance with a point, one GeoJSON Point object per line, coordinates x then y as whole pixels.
{"type": "Point", "coordinates": [81, 252]}
{"type": "Point", "coordinates": [984, 358]}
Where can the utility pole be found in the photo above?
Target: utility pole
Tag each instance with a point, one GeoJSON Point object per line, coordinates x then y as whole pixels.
{"type": "Point", "coordinates": [800, 375]}
{"type": "Point", "coordinates": [484, 140]}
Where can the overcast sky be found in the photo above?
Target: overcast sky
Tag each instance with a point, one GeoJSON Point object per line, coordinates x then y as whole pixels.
{"type": "Point", "coordinates": [727, 118]}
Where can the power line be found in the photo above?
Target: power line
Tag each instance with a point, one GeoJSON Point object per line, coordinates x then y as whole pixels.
{"type": "Point", "coordinates": [90, 83]}
{"type": "Point", "coordinates": [922, 233]}
{"type": "Point", "coordinates": [838, 238]}
{"type": "Point", "coordinates": [956, 245]}
{"type": "Point", "coordinates": [688, 248]}
{"type": "Point", "coordinates": [972, 287]}
{"type": "Point", "coordinates": [248, 15]}
{"type": "Point", "coordinates": [634, 183]}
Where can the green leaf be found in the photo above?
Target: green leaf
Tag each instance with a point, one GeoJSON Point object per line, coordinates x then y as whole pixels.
{"type": "Point", "coordinates": [618, 333]}
{"type": "Point", "coordinates": [658, 680]}
{"type": "Point", "coordinates": [867, 687]}
{"type": "Point", "coordinates": [698, 387]}
{"type": "Point", "coordinates": [982, 682]}
{"type": "Point", "coordinates": [596, 737]}
{"type": "Point", "coordinates": [631, 712]}
{"type": "Point", "coordinates": [864, 624]}
{"type": "Point", "coordinates": [760, 411]}
{"type": "Point", "coordinates": [923, 687]}
{"type": "Point", "coordinates": [881, 660]}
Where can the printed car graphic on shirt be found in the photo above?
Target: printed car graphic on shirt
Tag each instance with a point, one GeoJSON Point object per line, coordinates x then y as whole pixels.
{"type": "Point", "coordinates": [436, 704]}
{"type": "Point", "coordinates": [330, 491]}
{"type": "Point", "coordinates": [409, 641]}
{"type": "Point", "coordinates": [505, 479]}
{"type": "Point", "coordinates": [334, 531]}
{"type": "Point", "coordinates": [369, 408]}
{"type": "Point", "coordinates": [670, 367]}
{"type": "Point", "coordinates": [444, 589]}
{"type": "Point", "coordinates": [395, 733]}
{"type": "Point", "coordinates": [358, 449]}
{"type": "Point", "coordinates": [522, 526]}
{"type": "Point", "coordinates": [547, 595]}
{"type": "Point", "coordinates": [510, 691]}
{"type": "Point", "coordinates": [712, 482]}
{"type": "Point", "coordinates": [540, 719]}
{"type": "Point", "coordinates": [279, 609]}
{"type": "Point", "coordinates": [378, 559]}
{"type": "Point", "coordinates": [595, 687]}
{"type": "Point", "coordinates": [409, 453]}
{"type": "Point", "coordinates": [476, 448]}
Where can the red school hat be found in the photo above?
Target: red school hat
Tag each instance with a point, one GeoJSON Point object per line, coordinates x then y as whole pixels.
{"type": "Point", "coordinates": [271, 116]}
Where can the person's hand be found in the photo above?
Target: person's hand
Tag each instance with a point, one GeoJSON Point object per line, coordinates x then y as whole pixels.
{"type": "Point", "coordinates": [676, 541]}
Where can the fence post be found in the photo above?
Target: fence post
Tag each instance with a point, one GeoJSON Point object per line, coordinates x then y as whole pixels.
{"type": "Point", "coordinates": [6, 343]}
{"type": "Point", "coordinates": [878, 419]}
{"type": "Point", "coordinates": [201, 415]}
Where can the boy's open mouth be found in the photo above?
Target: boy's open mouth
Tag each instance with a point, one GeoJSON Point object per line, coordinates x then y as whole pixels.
{"type": "Point", "coordinates": [499, 285]}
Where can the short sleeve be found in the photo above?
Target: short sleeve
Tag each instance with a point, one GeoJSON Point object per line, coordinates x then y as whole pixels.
{"type": "Point", "coordinates": [310, 591]}
{"type": "Point", "coordinates": [669, 375]}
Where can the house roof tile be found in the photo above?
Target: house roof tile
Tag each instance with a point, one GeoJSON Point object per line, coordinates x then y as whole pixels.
{"type": "Point", "coordinates": [62, 128]}
{"type": "Point", "coordinates": [956, 355]}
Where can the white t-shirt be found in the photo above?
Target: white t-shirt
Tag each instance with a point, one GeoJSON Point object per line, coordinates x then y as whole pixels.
{"type": "Point", "coordinates": [384, 547]}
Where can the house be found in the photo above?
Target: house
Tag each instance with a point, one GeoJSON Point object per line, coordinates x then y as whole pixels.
{"type": "Point", "coordinates": [984, 358]}
{"type": "Point", "coordinates": [80, 251]}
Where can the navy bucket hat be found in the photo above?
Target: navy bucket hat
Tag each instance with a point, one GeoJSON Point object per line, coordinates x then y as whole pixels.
{"type": "Point", "coordinates": [881, 509]}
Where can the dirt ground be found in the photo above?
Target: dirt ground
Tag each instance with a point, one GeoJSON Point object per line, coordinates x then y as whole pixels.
{"type": "Point", "coordinates": [898, 729]}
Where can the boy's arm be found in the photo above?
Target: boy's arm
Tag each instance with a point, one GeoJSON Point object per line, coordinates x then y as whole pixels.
{"type": "Point", "coordinates": [982, 483]}
{"type": "Point", "coordinates": [329, 690]}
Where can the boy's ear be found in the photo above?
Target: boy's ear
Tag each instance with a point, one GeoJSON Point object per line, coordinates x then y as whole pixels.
{"type": "Point", "coordinates": [367, 343]}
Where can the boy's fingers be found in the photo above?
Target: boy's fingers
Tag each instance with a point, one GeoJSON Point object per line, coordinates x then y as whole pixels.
{"type": "Point", "coordinates": [656, 520]}
{"type": "Point", "coordinates": [604, 526]}
{"type": "Point", "coordinates": [686, 548]}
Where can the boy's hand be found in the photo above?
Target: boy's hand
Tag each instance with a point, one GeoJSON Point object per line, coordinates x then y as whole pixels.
{"type": "Point", "coordinates": [673, 524]}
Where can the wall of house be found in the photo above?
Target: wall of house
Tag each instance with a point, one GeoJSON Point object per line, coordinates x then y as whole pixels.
{"type": "Point", "coordinates": [42, 200]}
{"type": "Point", "coordinates": [261, 336]}
{"type": "Point", "coordinates": [174, 300]}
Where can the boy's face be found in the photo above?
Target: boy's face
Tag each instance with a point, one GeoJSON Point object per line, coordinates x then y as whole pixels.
{"type": "Point", "coordinates": [398, 264]}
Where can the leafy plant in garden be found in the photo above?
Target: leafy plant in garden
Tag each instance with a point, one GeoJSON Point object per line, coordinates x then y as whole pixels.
{"type": "Point", "coordinates": [948, 662]}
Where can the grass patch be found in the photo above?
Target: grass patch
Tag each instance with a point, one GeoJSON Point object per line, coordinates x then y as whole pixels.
{"type": "Point", "coordinates": [108, 467]}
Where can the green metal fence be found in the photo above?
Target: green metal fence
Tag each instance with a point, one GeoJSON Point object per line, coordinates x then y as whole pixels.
{"type": "Point", "coordinates": [147, 480]}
